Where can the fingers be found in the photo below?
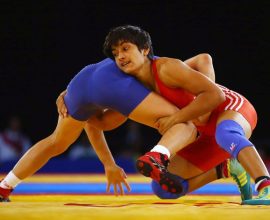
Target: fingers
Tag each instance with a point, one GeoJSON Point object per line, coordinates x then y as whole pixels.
{"type": "Point", "coordinates": [61, 107]}
{"type": "Point", "coordinates": [127, 185]}
{"type": "Point", "coordinates": [121, 189]}
{"type": "Point", "coordinates": [115, 189]}
{"type": "Point", "coordinates": [108, 187]}
{"type": "Point", "coordinates": [64, 111]}
{"type": "Point", "coordinates": [118, 188]}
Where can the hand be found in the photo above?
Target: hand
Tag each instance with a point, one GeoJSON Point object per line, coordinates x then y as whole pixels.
{"type": "Point", "coordinates": [116, 176]}
{"type": "Point", "coordinates": [165, 123]}
{"type": "Point", "coordinates": [61, 107]}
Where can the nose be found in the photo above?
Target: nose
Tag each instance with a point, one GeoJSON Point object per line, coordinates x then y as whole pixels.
{"type": "Point", "coordinates": [121, 55]}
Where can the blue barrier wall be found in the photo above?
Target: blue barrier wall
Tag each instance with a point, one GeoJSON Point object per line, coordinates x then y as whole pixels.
{"type": "Point", "coordinates": [85, 165]}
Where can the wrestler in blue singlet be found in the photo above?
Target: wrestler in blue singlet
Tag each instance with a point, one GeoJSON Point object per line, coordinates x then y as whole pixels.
{"type": "Point", "coordinates": [103, 85]}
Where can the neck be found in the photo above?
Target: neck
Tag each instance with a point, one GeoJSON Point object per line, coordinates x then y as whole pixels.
{"type": "Point", "coordinates": [145, 75]}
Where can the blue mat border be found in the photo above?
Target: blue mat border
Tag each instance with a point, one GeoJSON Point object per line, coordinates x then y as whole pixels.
{"type": "Point", "coordinates": [100, 188]}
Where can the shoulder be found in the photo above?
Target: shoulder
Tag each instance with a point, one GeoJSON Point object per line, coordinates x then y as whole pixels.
{"type": "Point", "coordinates": [164, 63]}
{"type": "Point", "coordinates": [167, 65]}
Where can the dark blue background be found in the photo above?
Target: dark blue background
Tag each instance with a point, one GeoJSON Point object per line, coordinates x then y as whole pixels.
{"type": "Point", "coordinates": [45, 43]}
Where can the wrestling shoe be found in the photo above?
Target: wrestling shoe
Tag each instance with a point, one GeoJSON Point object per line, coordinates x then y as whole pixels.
{"type": "Point", "coordinates": [240, 176]}
{"type": "Point", "coordinates": [4, 193]}
{"type": "Point", "coordinates": [154, 165]}
{"type": "Point", "coordinates": [262, 199]}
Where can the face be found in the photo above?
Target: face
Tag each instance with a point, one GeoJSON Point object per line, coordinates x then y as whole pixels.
{"type": "Point", "coordinates": [128, 57]}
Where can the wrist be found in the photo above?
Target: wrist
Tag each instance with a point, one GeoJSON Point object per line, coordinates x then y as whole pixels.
{"type": "Point", "coordinates": [109, 163]}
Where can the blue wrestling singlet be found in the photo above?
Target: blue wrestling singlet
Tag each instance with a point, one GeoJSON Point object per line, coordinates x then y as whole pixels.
{"type": "Point", "coordinates": [103, 85]}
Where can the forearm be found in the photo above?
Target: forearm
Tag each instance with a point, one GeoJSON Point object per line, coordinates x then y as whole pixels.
{"type": "Point", "coordinates": [99, 143]}
{"type": "Point", "coordinates": [201, 105]}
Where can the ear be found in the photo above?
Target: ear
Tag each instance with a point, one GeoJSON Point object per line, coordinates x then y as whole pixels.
{"type": "Point", "coordinates": [146, 51]}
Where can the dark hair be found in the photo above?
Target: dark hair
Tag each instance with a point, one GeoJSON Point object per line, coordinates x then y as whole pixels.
{"type": "Point", "coordinates": [128, 33]}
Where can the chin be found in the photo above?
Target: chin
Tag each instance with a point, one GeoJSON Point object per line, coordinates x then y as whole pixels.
{"type": "Point", "coordinates": [127, 71]}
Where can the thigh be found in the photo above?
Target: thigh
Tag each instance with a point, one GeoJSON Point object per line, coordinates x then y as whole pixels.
{"type": "Point", "coordinates": [151, 109]}
{"type": "Point", "coordinates": [183, 168]}
{"type": "Point", "coordinates": [237, 117]}
{"type": "Point", "coordinates": [67, 130]}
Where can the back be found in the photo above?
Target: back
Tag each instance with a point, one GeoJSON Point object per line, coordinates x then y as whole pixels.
{"type": "Point", "coordinates": [103, 85]}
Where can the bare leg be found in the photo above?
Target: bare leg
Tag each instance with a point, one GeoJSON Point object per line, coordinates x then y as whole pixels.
{"type": "Point", "coordinates": [178, 136]}
{"type": "Point", "coordinates": [252, 162]}
{"type": "Point", "coordinates": [66, 132]}
{"type": "Point", "coordinates": [201, 180]}
{"type": "Point", "coordinates": [183, 168]}
{"type": "Point", "coordinates": [195, 176]}
{"type": "Point", "coordinates": [151, 109]}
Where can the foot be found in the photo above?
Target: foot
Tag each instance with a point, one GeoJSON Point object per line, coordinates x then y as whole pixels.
{"type": "Point", "coordinates": [262, 199]}
{"type": "Point", "coordinates": [241, 177]}
{"type": "Point", "coordinates": [4, 194]}
{"type": "Point", "coordinates": [154, 165]}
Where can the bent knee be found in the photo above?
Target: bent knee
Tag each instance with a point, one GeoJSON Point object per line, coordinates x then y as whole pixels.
{"type": "Point", "coordinates": [231, 137]}
{"type": "Point", "coordinates": [205, 58]}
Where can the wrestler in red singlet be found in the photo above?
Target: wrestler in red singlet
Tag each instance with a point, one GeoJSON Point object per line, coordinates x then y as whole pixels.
{"type": "Point", "coordinates": [205, 153]}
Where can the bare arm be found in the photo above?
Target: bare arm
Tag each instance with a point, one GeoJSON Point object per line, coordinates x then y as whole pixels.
{"type": "Point", "coordinates": [103, 120]}
{"type": "Point", "coordinates": [107, 120]}
{"type": "Point", "coordinates": [202, 63]}
{"type": "Point", "coordinates": [176, 74]}
{"type": "Point", "coordinates": [115, 174]}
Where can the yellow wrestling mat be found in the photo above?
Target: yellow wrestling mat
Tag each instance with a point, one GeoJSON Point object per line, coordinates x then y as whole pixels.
{"type": "Point", "coordinates": [128, 207]}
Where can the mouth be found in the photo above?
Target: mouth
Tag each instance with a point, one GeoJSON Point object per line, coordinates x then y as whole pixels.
{"type": "Point", "coordinates": [123, 64]}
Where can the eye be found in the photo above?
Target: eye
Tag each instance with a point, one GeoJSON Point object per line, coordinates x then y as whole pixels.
{"type": "Point", "coordinates": [125, 48]}
{"type": "Point", "coordinates": [115, 54]}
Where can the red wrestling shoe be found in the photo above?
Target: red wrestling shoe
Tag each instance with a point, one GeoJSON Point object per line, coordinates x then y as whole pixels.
{"type": "Point", "coordinates": [4, 193]}
{"type": "Point", "coordinates": [154, 165]}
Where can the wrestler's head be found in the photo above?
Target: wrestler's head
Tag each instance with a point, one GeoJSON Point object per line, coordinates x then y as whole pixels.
{"type": "Point", "coordinates": [130, 47]}
{"type": "Point", "coordinates": [127, 33]}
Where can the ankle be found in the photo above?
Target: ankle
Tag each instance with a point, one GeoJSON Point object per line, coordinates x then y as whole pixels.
{"type": "Point", "coordinates": [10, 181]}
{"type": "Point", "coordinates": [261, 183]}
{"type": "Point", "coordinates": [5, 185]}
{"type": "Point", "coordinates": [161, 149]}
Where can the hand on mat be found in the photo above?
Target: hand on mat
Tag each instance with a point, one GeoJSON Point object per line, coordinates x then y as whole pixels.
{"type": "Point", "coordinates": [60, 103]}
{"type": "Point", "coordinates": [116, 176]}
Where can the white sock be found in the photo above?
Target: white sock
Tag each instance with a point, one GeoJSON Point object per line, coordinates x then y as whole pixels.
{"type": "Point", "coordinates": [10, 181]}
{"type": "Point", "coordinates": [161, 149]}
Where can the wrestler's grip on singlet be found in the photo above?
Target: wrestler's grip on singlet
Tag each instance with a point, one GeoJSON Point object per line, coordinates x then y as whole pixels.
{"type": "Point", "coordinates": [61, 107]}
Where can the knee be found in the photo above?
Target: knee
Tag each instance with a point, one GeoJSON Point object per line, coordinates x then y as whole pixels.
{"type": "Point", "coordinates": [56, 145]}
{"type": "Point", "coordinates": [231, 137]}
{"type": "Point", "coordinates": [205, 58]}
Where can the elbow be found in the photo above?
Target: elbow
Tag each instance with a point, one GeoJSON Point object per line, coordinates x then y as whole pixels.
{"type": "Point", "coordinates": [220, 97]}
